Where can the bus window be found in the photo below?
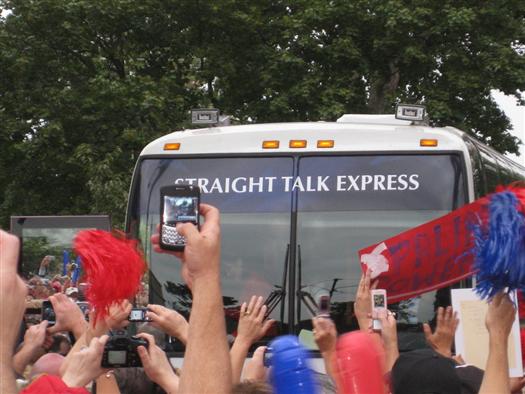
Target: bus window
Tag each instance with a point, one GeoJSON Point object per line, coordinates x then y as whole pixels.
{"type": "Point", "coordinates": [490, 166]}
{"type": "Point", "coordinates": [366, 200]}
{"type": "Point", "coordinates": [519, 174]}
{"type": "Point", "coordinates": [477, 169]}
{"type": "Point", "coordinates": [506, 174]}
{"type": "Point", "coordinates": [255, 228]}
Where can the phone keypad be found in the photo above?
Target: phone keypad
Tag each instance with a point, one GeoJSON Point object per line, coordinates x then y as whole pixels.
{"type": "Point", "coordinates": [170, 236]}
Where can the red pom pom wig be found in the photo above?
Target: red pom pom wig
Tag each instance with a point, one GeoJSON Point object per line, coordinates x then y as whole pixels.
{"type": "Point", "coordinates": [113, 267]}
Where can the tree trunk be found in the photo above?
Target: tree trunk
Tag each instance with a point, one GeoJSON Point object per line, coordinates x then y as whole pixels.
{"type": "Point", "coordinates": [382, 89]}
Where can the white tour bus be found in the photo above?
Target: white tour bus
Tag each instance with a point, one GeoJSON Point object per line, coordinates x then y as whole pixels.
{"type": "Point", "coordinates": [297, 202]}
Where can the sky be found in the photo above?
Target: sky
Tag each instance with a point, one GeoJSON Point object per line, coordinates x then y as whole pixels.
{"type": "Point", "coordinates": [516, 114]}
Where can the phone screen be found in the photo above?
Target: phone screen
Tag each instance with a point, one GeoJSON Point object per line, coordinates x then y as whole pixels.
{"type": "Point", "coordinates": [48, 313]}
{"type": "Point", "coordinates": [379, 301]}
{"type": "Point", "coordinates": [180, 209]}
{"type": "Point", "coordinates": [324, 305]}
{"type": "Point", "coordinates": [137, 315]}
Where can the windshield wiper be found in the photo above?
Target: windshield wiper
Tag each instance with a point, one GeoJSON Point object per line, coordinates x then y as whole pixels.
{"type": "Point", "coordinates": [278, 295]}
{"type": "Point", "coordinates": [304, 296]}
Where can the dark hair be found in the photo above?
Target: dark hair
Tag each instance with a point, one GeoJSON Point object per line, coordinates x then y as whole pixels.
{"type": "Point", "coordinates": [252, 387]}
{"type": "Point", "coordinates": [134, 380]}
{"type": "Point", "coordinates": [57, 340]}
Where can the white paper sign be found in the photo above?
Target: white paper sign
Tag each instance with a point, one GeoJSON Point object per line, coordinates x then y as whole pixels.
{"type": "Point", "coordinates": [472, 337]}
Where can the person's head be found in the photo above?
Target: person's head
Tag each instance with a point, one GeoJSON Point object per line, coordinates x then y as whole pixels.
{"type": "Point", "coordinates": [134, 380]}
{"type": "Point", "coordinates": [424, 371]}
{"type": "Point", "coordinates": [41, 291]}
{"type": "Point", "coordinates": [251, 387]}
{"type": "Point", "coordinates": [49, 364]}
{"type": "Point", "coordinates": [60, 345]}
{"type": "Point", "coordinates": [72, 292]}
{"type": "Point", "coordinates": [57, 287]}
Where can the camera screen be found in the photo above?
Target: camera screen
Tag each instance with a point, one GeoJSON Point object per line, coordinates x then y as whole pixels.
{"type": "Point", "coordinates": [116, 356]}
{"type": "Point", "coordinates": [180, 209]}
{"type": "Point", "coordinates": [379, 301]}
{"type": "Point", "coordinates": [136, 314]}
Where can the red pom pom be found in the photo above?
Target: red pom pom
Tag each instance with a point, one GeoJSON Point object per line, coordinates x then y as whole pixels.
{"type": "Point", "coordinates": [113, 268]}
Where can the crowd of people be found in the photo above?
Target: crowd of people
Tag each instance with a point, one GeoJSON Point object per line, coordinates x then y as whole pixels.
{"type": "Point", "coordinates": [67, 357]}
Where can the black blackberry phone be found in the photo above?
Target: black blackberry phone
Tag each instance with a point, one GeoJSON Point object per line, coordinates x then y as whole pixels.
{"type": "Point", "coordinates": [48, 313]}
{"type": "Point", "coordinates": [178, 204]}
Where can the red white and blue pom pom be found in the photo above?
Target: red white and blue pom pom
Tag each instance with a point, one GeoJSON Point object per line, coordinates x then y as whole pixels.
{"type": "Point", "coordinates": [500, 244]}
{"type": "Point", "coordinates": [113, 267]}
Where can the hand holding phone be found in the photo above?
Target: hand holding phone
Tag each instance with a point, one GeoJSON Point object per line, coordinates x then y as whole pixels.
{"type": "Point", "coordinates": [379, 305]}
{"type": "Point", "coordinates": [178, 204]}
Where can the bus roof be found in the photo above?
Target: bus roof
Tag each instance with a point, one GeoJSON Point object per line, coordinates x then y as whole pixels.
{"type": "Point", "coordinates": [347, 137]}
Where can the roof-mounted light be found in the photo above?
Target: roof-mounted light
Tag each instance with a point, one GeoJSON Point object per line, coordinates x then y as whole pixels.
{"type": "Point", "coordinates": [205, 116]}
{"type": "Point", "coordinates": [325, 143]}
{"type": "Point", "coordinates": [428, 142]}
{"type": "Point", "coordinates": [297, 144]}
{"type": "Point", "coordinates": [172, 146]}
{"type": "Point", "coordinates": [273, 144]}
{"type": "Point", "coordinates": [414, 113]}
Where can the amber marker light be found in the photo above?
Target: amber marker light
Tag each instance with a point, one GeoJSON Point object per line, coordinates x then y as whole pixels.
{"type": "Point", "coordinates": [297, 144]}
{"type": "Point", "coordinates": [428, 142]}
{"type": "Point", "coordinates": [274, 144]}
{"type": "Point", "coordinates": [325, 143]}
{"type": "Point", "coordinates": [172, 146]}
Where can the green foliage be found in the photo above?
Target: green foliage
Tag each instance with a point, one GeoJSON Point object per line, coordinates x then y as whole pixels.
{"type": "Point", "coordinates": [35, 249]}
{"type": "Point", "coordinates": [85, 85]}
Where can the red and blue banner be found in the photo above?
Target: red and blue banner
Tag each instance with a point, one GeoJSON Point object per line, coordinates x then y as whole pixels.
{"type": "Point", "coordinates": [428, 257]}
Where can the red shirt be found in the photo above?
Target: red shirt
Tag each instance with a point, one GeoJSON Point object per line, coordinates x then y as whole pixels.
{"type": "Point", "coordinates": [49, 384]}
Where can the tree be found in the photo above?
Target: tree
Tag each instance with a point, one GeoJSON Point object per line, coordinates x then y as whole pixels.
{"type": "Point", "coordinates": [332, 57]}
{"type": "Point", "coordinates": [85, 85]}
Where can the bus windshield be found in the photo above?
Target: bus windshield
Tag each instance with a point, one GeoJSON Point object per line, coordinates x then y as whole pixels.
{"type": "Point", "coordinates": [292, 225]}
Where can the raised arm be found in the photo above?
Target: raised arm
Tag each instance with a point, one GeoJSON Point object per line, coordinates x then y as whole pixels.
{"type": "Point", "coordinates": [206, 366]}
{"type": "Point", "coordinates": [169, 321]}
{"type": "Point", "coordinates": [363, 301]}
{"type": "Point", "coordinates": [442, 338]}
{"type": "Point", "coordinates": [251, 328]}
{"type": "Point", "coordinates": [13, 292]}
{"type": "Point", "coordinates": [389, 337]}
{"type": "Point", "coordinates": [33, 346]}
{"type": "Point", "coordinates": [499, 319]}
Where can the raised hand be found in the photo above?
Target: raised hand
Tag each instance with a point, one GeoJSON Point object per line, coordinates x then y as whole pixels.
{"type": "Point", "coordinates": [498, 320]}
{"type": "Point", "coordinates": [442, 338]}
{"type": "Point", "coordinates": [35, 340]}
{"type": "Point", "coordinates": [69, 316]}
{"type": "Point", "coordinates": [255, 369]}
{"type": "Point", "coordinates": [117, 318]}
{"type": "Point", "coordinates": [169, 321]}
{"type": "Point", "coordinates": [252, 325]}
{"type": "Point", "coordinates": [325, 334]}
{"type": "Point", "coordinates": [156, 365]}
{"type": "Point", "coordinates": [500, 317]}
{"type": "Point", "coordinates": [83, 366]}
{"type": "Point", "coordinates": [363, 300]}
{"type": "Point", "coordinates": [201, 255]}
{"type": "Point", "coordinates": [389, 337]}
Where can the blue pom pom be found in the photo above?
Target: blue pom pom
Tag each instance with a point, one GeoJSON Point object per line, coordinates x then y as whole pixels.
{"type": "Point", "coordinates": [500, 247]}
